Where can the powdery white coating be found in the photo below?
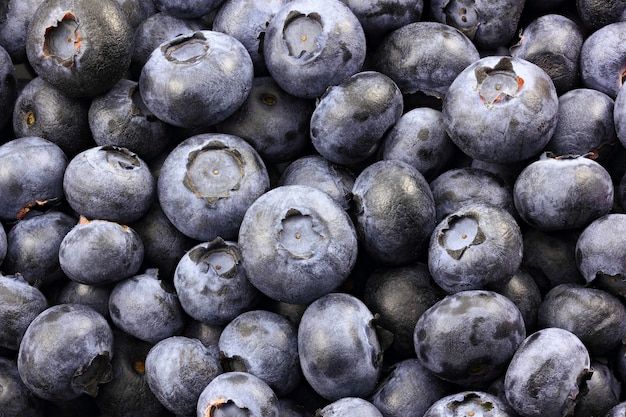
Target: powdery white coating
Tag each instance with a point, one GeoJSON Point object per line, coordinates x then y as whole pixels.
{"type": "Point", "coordinates": [349, 407]}
{"type": "Point", "coordinates": [468, 403]}
{"type": "Point", "coordinates": [602, 59]}
{"type": "Point", "coordinates": [600, 248]}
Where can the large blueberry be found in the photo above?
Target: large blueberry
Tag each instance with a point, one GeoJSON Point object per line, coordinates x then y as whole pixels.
{"type": "Point", "coordinates": [196, 79]}
{"type": "Point", "coordinates": [469, 403]}
{"type": "Point", "coordinates": [351, 118]}
{"type": "Point", "coordinates": [548, 373]}
{"type": "Point", "coordinates": [501, 109]}
{"type": "Point", "coordinates": [603, 392]}
{"type": "Point", "coordinates": [468, 338]}
{"type": "Point", "coordinates": [16, 399]}
{"type": "Point", "coordinates": [348, 407]}
{"type": "Point", "coordinates": [297, 243]}
{"type": "Point", "coordinates": [310, 45]}
{"type": "Point", "coordinates": [602, 59]}
{"type": "Point", "coordinates": [66, 352]}
{"type": "Point", "coordinates": [596, 14]}
{"type": "Point", "coordinates": [207, 183]}
{"type": "Point", "coordinates": [475, 246]}
{"type": "Point", "coordinates": [339, 350]}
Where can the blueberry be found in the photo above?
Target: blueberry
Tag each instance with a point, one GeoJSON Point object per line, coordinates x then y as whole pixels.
{"type": "Point", "coordinates": [8, 87]}
{"type": "Point", "coordinates": [595, 15]}
{"type": "Point", "coordinates": [264, 344]}
{"type": "Point", "coordinates": [602, 59]}
{"type": "Point", "coordinates": [297, 244]}
{"type": "Point", "coordinates": [20, 304]}
{"type": "Point", "coordinates": [43, 110]}
{"type": "Point", "coordinates": [424, 57]}
{"type": "Point", "coordinates": [468, 338]}
{"type": "Point", "coordinates": [94, 296]}
{"type": "Point", "coordinates": [501, 109]}
{"type": "Point", "coordinates": [15, 16]}
{"type": "Point", "coordinates": [563, 192]}
{"type": "Point", "coordinates": [525, 294]}
{"type": "Point", "coordinates": [146, 307]}
{"type": "Point", "coordinates": [187, 9]}
{"type": "Point", "coordinates": [349, 406]}
{"type": "Point", "coordinates": [311, 45]}
{"type": "Point", "coordinates": [619, 116]}
{"type": "Point", "coordinates": [468, 403]}
{"type": "Point", "coordinates": [473, 247]}
{"type": "Point", "coordinates": [3, 245]}
{"type": "Point", "coordinates": [237, 394]}
{"type": "Point", "coordinates": [380, 17]}
{"type": "Point", "coordinates": [100, 252]}
{"type": "Point", "coordinates": [207, 183]}
{"type": "Point", "coordinates": [351, 118]}
{"type": "Point", "coordinates": [177, 371]}
{"type": "Point", "coordinates": [31, 175]}
{"type": "Point", "coordinates": [339, 350]}
{"type": "Point", "coordinates": [212, 283]}
{"type": "Point", "coordinates": [137, 11]}
{"type": "Point", "coordinates": [66, 352]}
{"type": "Point", "coordinates": [604, 392]}
{"type": "Point", "coordinates": [16, 399]}
{"type": "Point", "coordinates": [196, 79]}
{"type": "Point", "coordinates": [617, 411]}
{"type": "Point", "coordinates": [548, 374]}
{"type": "Point", "coordinates": [81, 48]}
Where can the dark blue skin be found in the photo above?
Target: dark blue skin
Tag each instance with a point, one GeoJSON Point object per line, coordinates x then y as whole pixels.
{"type": "Point", "coordinates": [109, 183]}
{"type": "Point", "coordinates": [177, 371]}
{"type": "Point", "coordinates": [237, 394]}
{"type": "Point", "coordinates": [264, 344]}
{"type": "Point", "coordinates": [94, 296]}
{"type": "Point", "coordinates": [212, 283]}
{"type": "Point", "coordinates": [424, 57]}
{"type": "Point", "coordinates": [468, 338]}
{"type": "Point", "coordinates": [597, 317]}
{"type": "Point", "coordinates": [317, 171]}
{"type": "Point", "coordinates": [297, 244]}
{"type": "Point", "coordinates": [466, 403]}
{"type": "Point", "coordinates": [619, 116]}
{"type": "Point", "coordinates": [39, 182]}
{"type": "Point", "coordinates": [15, 16]}
{"type": "Point", "coordinates": [213, 69]}
{"type": "Point", "coordinates": [349, 406]}
{"type": "Point", "coordinates": [100, 252]}
{"type": "Point", "coordinates": [33, 247]}
{"type": "Point", "coordinates": [585, 123]}
{"type": "Point", "coordinates": [66, 352]}
{"type": "Point", "coordinates": [3, 244]}
{"type": "Point", "coordinates": [501, 109]}
{"type": "Point", "coordinates": [419, 138]}
{"type": "Point", "coordinates": [8, 87]}
{"type": "Point", "coordinates": [247, 20]}
{"type": "Point", "coordinates": [21, 304]}
{"type": "Point", "coordinates": [290, 408]}
{"type": "Point", "coordinates": [547, 374]}
{"type": "Point", "coordinates": [187, 9]}
{"type": "Point", "coordinates": [325, 44]}
{"type": "Point", "coordinates": [525, 293]}
{"type": "Point", "coordinates": [379, 17]}
{"type": "Point", "coordinates": [604, 392]}
{"type": "Point", "coordinates": [351, 118]}
{"type": "Point", "coordinates": [339, 350]}
{"type": "Point", "coordinates": [408, 389]}
{"type": "Point", "coordinates": [43, 110]}
{"type": "Point", "coordinates": [120, 117]}
{"type": "Point", "coordinates": [208, 334]}
{"type": "Point", "coordinates": [98, 54]}
{"type": "Point", "coordinates": [596, 14]}
{"type": "Point", "coordinates": [475, 246]}
{"type": "Point", "coordinates": [489, 24]}
{"type": "Point", "coordinates": [563, 193]}
{"type": "Point", "coordinates": [602, 59]}
{"type": "Point", "coordinates": [394, 212]}
{"type": "Point", "coordinates": [207, 183]}
{"type": "Point", "coordinates": [274, 122]}
{"type": "Point", "coordinates": [457, 187]}
{"type": "Point", "coordinates": [553, 42]}
{"type": "Point", "coordinates": [16, 399]}
{"type": "Point", "coordinates": [137, 11]}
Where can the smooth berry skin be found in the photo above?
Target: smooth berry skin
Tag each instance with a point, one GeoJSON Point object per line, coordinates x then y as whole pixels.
{"type": "Point", "coordinates": [468, 403]}
{"type": "Point", "coordinates": [15, 16]}
{"type": "Point", "coordinates": [525, 294]}
{"type": "Point", "coordinates": [379, 17]}
{"type": "Point", "coordinates": [8, 87]}
{"type": "Point", "coordinates": [17, 400]}
{"type": "Point", "coordinates": [617, 410]}
{"type": "Point", "coordinates": [304, 68]}
{"type": "Point", "coordinates": [547, 374]}
{"type": "Point", "coordinates": [619, 116]}
{"type": "Point", "coordinates": [187, 9]}
{"type": "Point", "coordinates": [349, 406]}
{"type": "Point", "coordinates": [602, 59]}
{"type": "Point", "coordinates": [297, 244]}
{"type": "Point", "coordinates": [66, 352]}
{"type": "Point", "coordinates": [94, 296]}
{"type": "Point", "coordinates": [339, 350]}
{"type": "Point", "coordinates": [604, 392]}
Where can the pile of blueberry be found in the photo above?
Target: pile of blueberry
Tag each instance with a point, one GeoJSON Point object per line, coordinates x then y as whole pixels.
{"type": "Point", "coordinates": [298, 208]}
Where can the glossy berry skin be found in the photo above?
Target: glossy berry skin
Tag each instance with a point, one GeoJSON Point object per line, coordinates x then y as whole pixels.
{"type": "Point", "coordinates": [207, 183]}
{"type": "Point", "coordinates": [501, 109]}
{"type": "Point", "coordinates": [604, 392]}
{"type": "Point", "coordinates": [178, 369]}
{"type": "Point", "coordinates": [351, 118]}
{"type": "Point", "coordinates": [212, 283]}
{"type": "Point", "coordinates": [339, 350]}
{"type": "Point", "coordinates": [146, 308]}
{"type": "Point", "coordinates": [26, 185]}
{"type": "Point", "coordinates": [16, 399]}
{"type": "Point", "coordinates": [472, 403]}
{"type": "Point", "coordinates": [94, 296]}
{"type": "Point", "coordinates": [187, 9]}
{"type": "Point", "coordinates": [468, 338]}
{"type": "Point", "coordinates": [297, 244]}
{"type": "Point", "coordinates": [466, 246]}
{"type": "Point", "coordinates": [311, 45]}
{"type": "Point", "coordinates": [424, 57]}
{"type": "Point", "coordinates": [66, 352]}
{"type": "Point", "coordinates": [234, 394]}
{"type": "Point", "coordinates": [349, 406]}
{"type": "Point", "coordinates": [602, 59]}
{"type": "Point", "coordinates": [379, 17]}
{"type": "Point", "coordinates": [525, 294]}
{"type": "Point", "coordinates": [109, 183]}
{"type": "Point", "coordinates": [394, 212]}
{"type": "Point", "coordinates": [264, 344]}
{"type": "Point", "coordinates": [563, 193]}
{"type": "Point", "coordinates": [98, 51]}
{"type": "Point", "coordinates": [547, 374]}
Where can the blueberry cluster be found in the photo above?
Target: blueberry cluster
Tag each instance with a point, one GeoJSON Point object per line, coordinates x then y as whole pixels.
{"type": "Point", "coordinates": [299, 208]}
